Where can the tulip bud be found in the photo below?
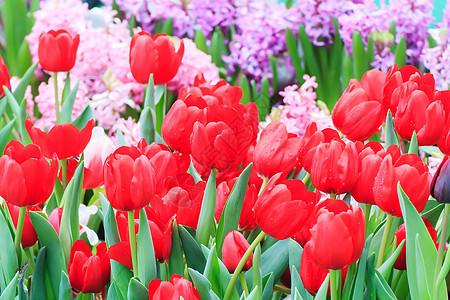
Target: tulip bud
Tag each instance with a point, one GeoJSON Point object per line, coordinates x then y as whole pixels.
{"type": "Point", "coordinates": [4, 77]}
{"type": "Point", "coordinates": [175, 288]}
{"type": "Point", "coordinates": [58, 50]}
{"type": "Point", "coordinates": [234, 247]}
{"type": "Point", "coordinates": [29, 236]}
{"type": "Point", "coordinates": [440, 185]}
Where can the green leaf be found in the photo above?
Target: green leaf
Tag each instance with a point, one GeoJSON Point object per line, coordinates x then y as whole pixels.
{"type": "Point", "coordinates": [109, 222]}
{"type": "Point", "coordinates": [38, 290]}
{"type": "Point", "coordinates": [293, 53]}
{"type": "Point", "coordinates": [200, 41]}
{"type": "Point", "coordinates": [347, 69]}
{"type": "Point", "coordinates": [400, 53]}
{"type": "Point", "coordinates": [22, 130]}
{"type": "Point", "coordinates": [295, 256]}
{"type": "Point", "coordinates": [202, 285]}
{"type": "Point", "coordinates": [167, 27]}
{"type": "Point", "coordinates": [246, 91]}
{"type": "Point", "coordinates": [268, 283]}
{"type": "Point", "coordinates": [390, 135]}
{"type": "Point", "coordinates": [19, 92]}
{"type": "Point", "coordinates": [413, 146]}
{"type": "Point", "coordinates": [358, 289]}
{"type": "Point", "coordinates": [13, 103]}
{"type": "Point", "coordinates": [263, 99]}
{"type": "Point", "coordinates": [382, 287]}
{"type": "Point", "coordinates": [145, 252]}
{"type": "Point", "coordinates": [5, 135]}
{"type": "Point", "coordinates": [217, 48]}
{"type": "Point", "coordinates": [194, 255]}
{"type": "Point", "coordinates": [120, 276]}
{"type": "Point", "coordinates": [322, 292]}
{"type": "Point", "coordinates": [69, 230]}
{"type": "Point", "coordinates": [386, 268]}
{"type": "Point", "coordinates": [206, 226]}
{"type": "Point", "coordinates": [10, 290]}
{"type": "Point", "coordinates": [113, 294]}
{"type": "Point", "coordinates": [311, 66]}
{"type": "Point", "coordinates": [213, 273]}
{"type": "Point", "coordinates": [273, 66]}
{"type": "Point", "coordinates": [137, 290]}
{"type": "Point", "coordinates": [67, 106]}
{"type": "Point", "coordinates": [360, 63]}
{"type": "Point", "coordinates": [176, 263]}
{"type": "Point", "coordinates": [8, 257]}
{"type": "Point", "coordinates": [415, 228]}
{"type": "Point", "coordinates": [256, 271]}
{"type": "Point", "coordinates": [65, 290]}
{"type": "Point", "coordinates": [48, 237]}
{"type": "Point", "coordinates": [232, 211]}
{"type": "Point", "coordinates": [121, 138]}
{"type": "Point", "coordinates": [86, 115]}
{"type": "Point", "coordinates": [255, 294]}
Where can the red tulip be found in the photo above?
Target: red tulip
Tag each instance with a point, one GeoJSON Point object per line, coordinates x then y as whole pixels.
{"type": "Point", "coordinates": [247, 219]}
{"type": "Point", "coordinates": [89, 273]}
{"type": "Point", "coordinates": [413, 176]}
{"type": "Point", "coordinates": [276, 151]}
{"type": "Point", "coordinates": [224, 141]}
{"type": "Point", "coordinates": [58, 50]}
{"type": "Point", "coordinates": [178, 124]}
{"type": "Point", "coordinates": [400, 234]}
{"type": "Point", "coordinates": [129, 179]}
{"type": "Point", "coordinates": [334, 167]}
{"type": "Point", "coordinates": [396, 77]}
{"type": "Point", "coordinates": [173, 289]}
{"type": "Point", "coordinates": [234, 247]}
{"type": "Point", "coordinates": [29, 236]}
{"type": "Point", "coordinates": [63, 139]}
{"type": "Point", "coordinates": [284, 206]}
{"type": "Point", "coordinates": [444, 141]}
{"type": "Point", "coordinates": [4, 77]}
{"type": "Point", "coordinates": [313, 276]}
{"type": "Point", "coordinates": [154, 55]}
{"type": "Point", "coordinates": [370, 162]}
{"type": "Point", "coordinates": [310, 140]}
{"type": "Point", "coordinates": [420, 112]}
{"type": "Point", "coordinates": [181, 197]}
{"type": "Point", "coordinates": [359, 112]}
{"type": "Point", "coordinates": [26, 177]}
{"type": "Point", "coordinates": [337, 234]}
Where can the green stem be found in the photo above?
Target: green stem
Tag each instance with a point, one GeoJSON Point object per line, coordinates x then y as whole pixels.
{"type": "Point", "coordinates": [64, 173]}
{"type": "Point", "coordinates": [19, 230]}
{"type": "Point", "coordinates": [58, 117]}
{"type": "Point", "coordinates": [13, 130]}
{"type": "Point", "coordinates": [165, 100]}
{"type": "Point", "coordinates": [241, 264]}
{"type": "Point", "coordinates": [332, 196]}
{"type": "Point", "coordinates": [396, 279]}
{"type": "Point", "coordinates": [306, 179]}
{"type": "Point", "coordinates": [387, 229]}
{"type": "Point", "coordinates": [282, 288]}
{"type": "Point", "coordinates": [334, 284]}
{"type": "Point", "coordinates": [243, 284]}
{"type": "Point", "coordinates": [442, 241]}
{"type": "Point", "coordinates": [30, 255]}
{"type": "Point", "coordinates": [367, 209]}
{"type": "Point", "coordinates": [132, 242]}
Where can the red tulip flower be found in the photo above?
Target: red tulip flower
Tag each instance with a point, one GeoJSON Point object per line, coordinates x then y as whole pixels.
{"type": "Point", "coordinates": [154, 55]}
{"type": "Point", "coordinates": [58, 50]}
{"type": "Point", "coordinates": [173, 289]}
{"type": "Point", "coordinates": [359, 112]}
{"type": "Point", "coordinates": [178, 124]}
{"type": "Point", "coordinates": [284, 206]}
{"type": "Point", "coordinates": [129, 179]}
{"type": "Point", "coordinates": [29, 236]}
{"type": "Point", "coordinates": [4, 77]}
{"type": "Point", "coordinates": [234, 247]}
{"type": "Point", "coordinates": [420, 112]}
{"type": "Point", "coordinates": [276, 151]}
{"type": "Point", "coordinates": [370, 162]}
{"type": "Point", "coordinates": [337, 234]}
{"type": "Point", "coordinates": [89, 273]}
{"type": "Point", "coordinates": [310, 140]}
{"type": "Point", "coordinates": [63, 139]}
{"type": "Point", "coordinates": [335, 166]}
{"type": "Point", "coordinates": [26, 177]}
{"type": "Point", "coordinates": [444, 141]}
{"type": "Point", "coordinates": [414, 179]}
{"type": "Point", "coordinates": [400, 234]}
{"type": "Point", "coordinates": [313, 276]}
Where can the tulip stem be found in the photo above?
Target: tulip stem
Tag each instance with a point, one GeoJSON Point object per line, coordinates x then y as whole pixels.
{"type": "Point", "coordinates": [241, 264]}
{"type": "Point", "coordinates": [442, 241]}
{"type": "Point", "coordinates": [334, 284]}
{"type": "Point", "coordinates": [19, 231]}
{"type": "Point", "coordinates": [58, 117]}
{"type": "Point", "coordinates": [132, 242]}
{"type": "Point", "coordinates": [307, 178]}
{"type": "Point", "coordinates": [243, 283]}
{"type": "Point", "coordinates": [367, 209]}
{"type": "Point", "coordinates": [64, 173]}
{"type": "Point", "coordinates": [282, 288]}
{"type": "Point", "coordinates": [13, 130]}
{"type": "Point", "coordinates": [387, 229]}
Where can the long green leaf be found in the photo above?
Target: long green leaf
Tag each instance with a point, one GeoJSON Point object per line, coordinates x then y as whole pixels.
{"type": "Point", "coordinates": [194, 255]}
{"type": "Point", "coordinates": [8, 257]}
{"type": "Point", "coordinates": [206, 226]}
{"type": "Point", "coordinates": [360, 63]}
{"type": "Point", "coordinates": [86, 115]}
{"type": "Point", "coordinates": [200, 41]}
{"type": "Point", "coordinates": [263, 99]}
{"type": "Point", "coordinates": [202, 285]}
{"type": "Point", "coordinates": [390, 135]}
{"type": "Point", "coordinates": [109, 222]}
{"type": "Point", "coordinates": [67, 106]}
{"type": "Point", "coordinates": [145, 252]}
{"type": "Point", "coordinates": [136, 290]}
{"type": "Point", "coordinates": [65, 290]}
{"type": "Point", "coordinates": [38, 290]}
{"type": "Point", "coordinates": [246, 91]}
{"type": "Point", "coordinates": [5, 135]}
{"type": "Point", "coordinates": [293, 53]}
{"type": "Point", "coordinates": [400, 53]}
{"type": "Point", "coordinates": [176, 263]}
{"type": "Point", "coordinates": [10, 290]}
{"type": "Point", "coordinates": [120, 277]}
{"type": "Point", "coordinates": [19, 92]}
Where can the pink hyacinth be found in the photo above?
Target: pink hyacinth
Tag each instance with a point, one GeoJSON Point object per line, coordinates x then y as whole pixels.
{"type": "Point", "coordinates": [130, 130]}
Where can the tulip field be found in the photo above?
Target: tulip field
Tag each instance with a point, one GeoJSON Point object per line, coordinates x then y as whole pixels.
{"type": "Point", "coordinates": [224, 149]}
